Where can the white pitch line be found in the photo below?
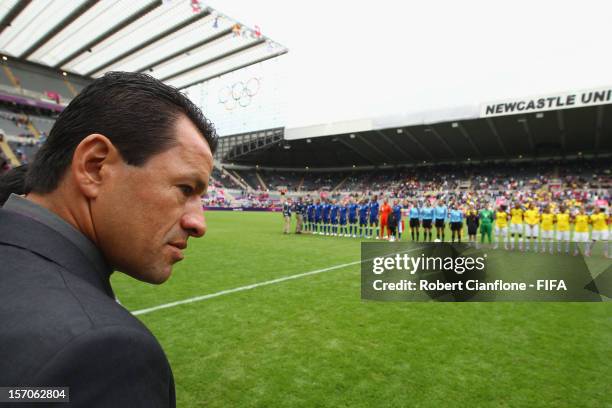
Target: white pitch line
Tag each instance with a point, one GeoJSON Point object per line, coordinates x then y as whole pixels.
{"type": "Point", "coordinates": [248, 287]}
{"type": "Point", "coordinates": [241, 288]}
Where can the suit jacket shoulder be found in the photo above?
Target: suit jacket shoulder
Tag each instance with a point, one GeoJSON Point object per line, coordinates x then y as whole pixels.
{"type": "Point", "coordinates": [61, 325]}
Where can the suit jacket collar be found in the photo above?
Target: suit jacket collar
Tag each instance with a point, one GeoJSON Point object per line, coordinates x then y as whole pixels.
{"type": "Point", "coordinates": [25, 232]}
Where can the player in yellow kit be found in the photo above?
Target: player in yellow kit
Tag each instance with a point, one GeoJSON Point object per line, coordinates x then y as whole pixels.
{"type": "Point", "coordinates": [599, 219]}
{"type": "Point", "coordinates": [532, 221]}
{"type": "Point", "coordinates": [547, 224]}
{"type": "Point", "coordinates": [516, 225]}
{"type": "Point", "coordinates": [501, 226]}
{"type": "Point", "coordinates": [581, 231]}
{"type": "Point", "coordinates": [562, 219]}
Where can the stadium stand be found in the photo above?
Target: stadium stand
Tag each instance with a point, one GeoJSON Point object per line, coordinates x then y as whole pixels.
{"type": "Point", "coordinates": [39, 80]}
{"type": "Point", "coordinates": [439, 152]}
{"type": "Point", "coordinates": [43, 124]}
{"type": "Point", "coordinates": [223, 180]}
{"type": "Point", "coordinates": [12, 123]}
{"type": "Point", "coordinates": [249, 177]}
{"type": "Point", "coordinates": [528, 175]}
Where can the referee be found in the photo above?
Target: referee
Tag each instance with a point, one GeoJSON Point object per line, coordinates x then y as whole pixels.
{"type": "Point", "coordinates": [287, 215]}
{"type": "Point", "coordinates": [300, 210]}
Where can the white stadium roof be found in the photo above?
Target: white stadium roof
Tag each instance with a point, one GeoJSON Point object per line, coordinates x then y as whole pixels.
{"type": "Point", "coordinates": [178, 41]}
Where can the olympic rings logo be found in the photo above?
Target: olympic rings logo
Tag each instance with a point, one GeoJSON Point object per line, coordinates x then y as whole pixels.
{"type": "Point", "coordinates": [239, 94]}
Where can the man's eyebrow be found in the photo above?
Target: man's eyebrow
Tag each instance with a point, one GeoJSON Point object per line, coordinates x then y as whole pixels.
{"type": "Point", "coordinates": [200, 184]}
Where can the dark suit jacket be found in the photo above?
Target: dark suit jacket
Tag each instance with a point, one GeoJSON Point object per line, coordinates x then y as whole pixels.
{"type": "Point", "coordinates": [60, 325]}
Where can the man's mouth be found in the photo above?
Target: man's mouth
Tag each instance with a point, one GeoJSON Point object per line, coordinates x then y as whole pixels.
{"type": "Point", "coordinates": [179, 244]}
{"type": "Point", "coordinates": [177, 250]}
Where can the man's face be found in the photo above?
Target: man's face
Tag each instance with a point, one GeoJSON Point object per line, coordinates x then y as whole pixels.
{"type": "Point", "coordinates": [144, 215]}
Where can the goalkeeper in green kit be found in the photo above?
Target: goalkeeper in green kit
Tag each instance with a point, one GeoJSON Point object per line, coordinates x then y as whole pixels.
{"type": "Point", "coordinates": [486, 223]}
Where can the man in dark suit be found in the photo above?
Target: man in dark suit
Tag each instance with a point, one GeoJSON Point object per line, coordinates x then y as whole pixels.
{"type": "Point", "coordinates": [116, 187]}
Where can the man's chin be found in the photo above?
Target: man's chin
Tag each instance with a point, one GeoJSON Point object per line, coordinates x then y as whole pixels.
{"type": "Point", "coordinates": [155, 276]}
{"type": "Point", "coordinates": [162, 276]}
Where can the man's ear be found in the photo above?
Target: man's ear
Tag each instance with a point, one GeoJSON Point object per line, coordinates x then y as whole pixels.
{"type": "Point", "coordinates": [92, 163]}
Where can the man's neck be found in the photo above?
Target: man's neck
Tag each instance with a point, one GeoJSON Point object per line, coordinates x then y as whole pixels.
{"type": "Point", "coordinates": [56, 203]}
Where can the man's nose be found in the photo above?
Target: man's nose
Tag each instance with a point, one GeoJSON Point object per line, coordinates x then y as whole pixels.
{"type": "Point", "coordinates": [194, 222]}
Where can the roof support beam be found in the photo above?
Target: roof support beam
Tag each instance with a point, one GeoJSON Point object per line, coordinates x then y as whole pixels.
{"type": "Point", "coordinates": [529, 136]}
{"type": "Point", "coordinates": [150, 41]}
{"type": "Point", "coordinates": [267, 57]}
{"type": "Point", "coordinates": [140, 13]}
{"type": "Point", "coordinates": [245, 143]}
{"type": "Point", "coordinates": [599, 125]}
{"type": "Point", "coordinates": [394, 145]}
{"type": "Point", "coordinates": [561, 124]}
{"type": "Point", "coordinates": [182, 51]}
{"type": "Point", "coordinates": [357, 150]}
{"type": "Point", "coordinates": [415, 141]}
{"type": "Point", "coordinates": [497, 136]}
{"type": "Point", "coordinates": [59, 27]}
{"type": "Point", "coordinates": [442, 141]}
{"type": "Point", "coordinates": [467, 136]}
{"type": "Point", "coordinates": [375, 148]}
{"type": "Point", "coordinates": [213, 59]}
{"type": "Point", "coordinates": [13, 13]}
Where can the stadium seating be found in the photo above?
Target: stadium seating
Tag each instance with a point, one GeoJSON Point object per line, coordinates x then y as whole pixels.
{"type": "Point", "coordinates": [486, 179]}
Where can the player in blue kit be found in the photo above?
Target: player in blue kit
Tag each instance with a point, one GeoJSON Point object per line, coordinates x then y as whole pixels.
{"type": "Point", "coordinates": [456, 222]}
{"type": "Point", "coordinates": [326, 218]}
{"type": "Point", "coordinates": [318, 227]}
{"type": "Point", "coordinates": [333, 218]}
{"type": "Point", "coordinates": [364, 209]}
{"type": "Point", "coordinates": [342, 219]}
{"type": "Point", "coordinates": [312, 220]}
{"type": "Point", "coordinates": [427, 215]}
{"type": "Point", "coordinates": [397, 211]}
{"type": "Point", "coordinates": [352, 217]}
{"type": "Point", "coordinates": [310, 216]}
{"type": "Point", "coordinates": [414, 215]}
{"type": "Point", "coordinates": [305, 215]}
{"type": "Point", "coordinates": [374, 207]}
{"type": "Point", "coordinates": [440, 215]}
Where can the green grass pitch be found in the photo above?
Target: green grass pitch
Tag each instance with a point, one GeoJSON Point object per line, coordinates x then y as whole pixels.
{"type": "Point", "coordinates": [312, 342]}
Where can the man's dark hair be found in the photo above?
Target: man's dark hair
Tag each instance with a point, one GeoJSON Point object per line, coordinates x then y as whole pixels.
{"type": "Point", "coordinates": [13, 181]}
{"type": "Point", "coordinates": [136, 112]}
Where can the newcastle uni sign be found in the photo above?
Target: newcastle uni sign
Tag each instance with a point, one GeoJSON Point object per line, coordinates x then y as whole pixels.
{"type": "Point", "coordinates": [566, 100]}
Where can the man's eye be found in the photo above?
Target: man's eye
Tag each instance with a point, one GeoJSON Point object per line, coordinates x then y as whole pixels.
{"type": "Point", "coordinates": [187, 190]}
